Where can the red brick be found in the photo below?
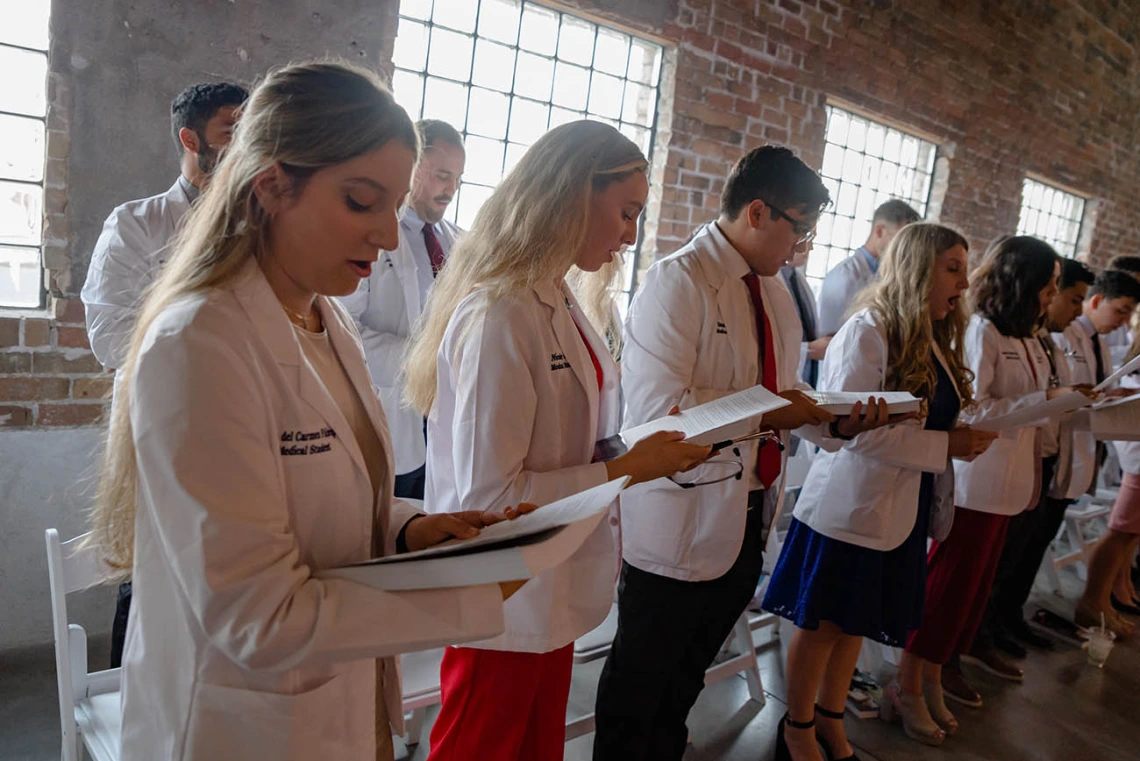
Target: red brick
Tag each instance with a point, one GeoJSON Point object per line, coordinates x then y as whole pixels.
{"type": "Point", "coordinates": [13, 416]}
{"type": "Point", "coordinates": [69, 311]}
{"type": "Point", "coordinates": [9, 331]}
{"type": "Point", "coordinates": [32, 388]}
{"type": "Point", "coordinates": [97, 387]}
{"type": "Point", "coordinates": [69, 415]}
{"type": "Point", "coordinates": [58, 363]}
{"type": "Point", "coordinates": [15, 363]}
{"type": "Point", "coordinates": [37, 332]}
{"type": "Point", "coordinates": [69, 337]}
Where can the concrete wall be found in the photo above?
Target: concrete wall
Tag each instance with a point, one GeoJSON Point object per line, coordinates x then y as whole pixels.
{"type": "Point", "coordinates": [46, 481]}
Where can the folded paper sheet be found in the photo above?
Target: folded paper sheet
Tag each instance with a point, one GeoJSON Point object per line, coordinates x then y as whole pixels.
{"type": "Point", "coordinates": [841, 402]}
{"type": "Point", "coordinates": [1037, 415]}
{"type": "Point", "coordinates": [705, 423]}
{"type": "Point", "coordinates": [507, 551]}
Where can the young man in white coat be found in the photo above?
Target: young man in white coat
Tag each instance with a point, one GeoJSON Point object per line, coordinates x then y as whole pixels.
{"type": "Point", "coordinates": [709, 320]}
{"type": "Point", "coordinates": [390, 300]}
{"type": "Point", "coordinates": [133, 246]}
{"type": "Point", "coordinates": [848, 278]}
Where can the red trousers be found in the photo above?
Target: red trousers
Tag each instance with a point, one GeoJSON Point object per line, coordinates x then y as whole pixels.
{"type": "Point", "coordinates": [960, 571]}
{"type": "Point", "coordinates": [502, 706]}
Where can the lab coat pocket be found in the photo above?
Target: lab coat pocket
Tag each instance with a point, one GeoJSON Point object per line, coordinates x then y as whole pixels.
{"type": "Point", "coordinates": [240, 724]}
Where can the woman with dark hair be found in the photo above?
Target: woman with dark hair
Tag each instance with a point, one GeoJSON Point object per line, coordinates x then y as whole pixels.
{"type": "Point", "coordinates": [1011, 290]}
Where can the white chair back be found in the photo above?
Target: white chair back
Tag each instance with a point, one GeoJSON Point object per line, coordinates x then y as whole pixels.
{"type": "Point", "coordinates": [73, 567]}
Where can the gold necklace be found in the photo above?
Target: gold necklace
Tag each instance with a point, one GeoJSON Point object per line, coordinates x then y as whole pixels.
{"type": "Point", "coordinates": [302, 321]}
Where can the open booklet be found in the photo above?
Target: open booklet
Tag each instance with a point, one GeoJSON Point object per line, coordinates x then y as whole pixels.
{"type": "Point", "coordinates": [708, 423]}
{"type": "Point", "coordinates": [1036, 415]}
{"type": "Point", "coordinates": [1126, 369]}
{"type": "Point", "coordinates": [1115, 420]}
{"type": "Point", "coordinates": [507, 551]}
{"type": "Point", "coordinates": [840, 402]}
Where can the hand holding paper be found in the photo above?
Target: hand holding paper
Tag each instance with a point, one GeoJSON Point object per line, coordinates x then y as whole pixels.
{"type": "Point", "coordinates": [1127, 369]}
{"type": "Point", "coordinates": [709, 422]}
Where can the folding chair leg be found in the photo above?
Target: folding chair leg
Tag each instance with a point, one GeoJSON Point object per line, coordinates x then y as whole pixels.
{"type": "Point", "coordinates": [415, 727]}
{"type": "Point", "coordinates": [743, 633]}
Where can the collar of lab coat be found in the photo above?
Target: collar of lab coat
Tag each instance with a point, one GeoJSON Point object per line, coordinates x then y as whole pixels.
{"type": "Point", "coordinates": [256, 297]}
{"type": "Point", "coordinates": [562, 304]}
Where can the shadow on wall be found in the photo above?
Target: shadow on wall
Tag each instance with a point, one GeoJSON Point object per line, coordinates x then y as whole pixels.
{"type": "Point", "coordinates": [47, 480]}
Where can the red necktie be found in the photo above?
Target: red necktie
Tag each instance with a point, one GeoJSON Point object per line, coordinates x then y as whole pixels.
{"type": "Point", "coordinates": [435, 251]}
{"type": "Point", "coordinates": [768, 461]}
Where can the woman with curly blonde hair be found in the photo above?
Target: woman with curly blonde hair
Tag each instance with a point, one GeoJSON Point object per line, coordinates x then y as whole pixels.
{"type": "Point", "coordinates": [853, 564]}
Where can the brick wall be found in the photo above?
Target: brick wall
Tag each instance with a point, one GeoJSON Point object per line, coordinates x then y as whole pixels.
{"type": "Point", "coordinates": [1042, 86]}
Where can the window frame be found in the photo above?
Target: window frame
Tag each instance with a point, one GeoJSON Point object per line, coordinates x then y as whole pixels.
{"type": "Point", "coordinates": [1056, 187]}
{"type": "Point", "coordinates": [633, 256]}
{"type": "Point", "coordinates": [41, 184]}
{"type": "Point", "coordinates": [888, 125]}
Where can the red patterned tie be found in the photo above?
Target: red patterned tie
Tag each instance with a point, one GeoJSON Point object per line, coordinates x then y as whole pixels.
{"type": "Point", "coordinates": [768, 461]}
{"type": "Point", "coordinates": [435, 251]}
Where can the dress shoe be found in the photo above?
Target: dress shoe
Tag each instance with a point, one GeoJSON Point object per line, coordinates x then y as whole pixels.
{"type": "Point", "coordinates": [1124, 607]}
{"type": "Point", "coordinates": [956, 688]}
{"type": "Point", "coordinates": [988, 659]}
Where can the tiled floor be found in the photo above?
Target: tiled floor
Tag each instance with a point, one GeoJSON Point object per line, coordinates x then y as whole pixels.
{"type": "Point", "coordinates": [1065, 710]}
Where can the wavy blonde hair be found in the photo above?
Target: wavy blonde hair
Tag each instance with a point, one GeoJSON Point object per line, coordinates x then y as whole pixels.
{"type": "Point", "coordinates": [901, 303]}
{"type": "Point", "coordinates": [529, 231]}
{"type": "Point", "coordinates": [302, 117]}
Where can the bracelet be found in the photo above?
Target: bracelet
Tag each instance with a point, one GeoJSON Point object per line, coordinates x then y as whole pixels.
{"type": "Point", "coordinates": [833, 430]}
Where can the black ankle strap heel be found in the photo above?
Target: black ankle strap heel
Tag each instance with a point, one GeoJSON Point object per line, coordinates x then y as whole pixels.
{"type": "Point", "coordinates": [838, 716]}
{"type": "Point", "coordinates": [782, 752]}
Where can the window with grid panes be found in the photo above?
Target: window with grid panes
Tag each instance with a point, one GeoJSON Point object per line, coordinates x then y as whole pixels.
{"type": "Point", "coordinates": [23, 110]}
{"type": "Point", "coordinates": [503, 72]}
{"type": "Point", "coordinates": [1051, 214]}
{"type": "Point", "coordinates": [865, 164]}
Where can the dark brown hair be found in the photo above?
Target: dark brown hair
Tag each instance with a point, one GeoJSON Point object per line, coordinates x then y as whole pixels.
{"type": "Point", "coordinates": [1007, 284]}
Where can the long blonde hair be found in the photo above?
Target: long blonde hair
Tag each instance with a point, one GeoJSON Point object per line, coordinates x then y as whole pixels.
{"type": "Point", "coordinates": [302, 117]}
{"type": "Point", "coordinates": [901, 303]}
{"type": "Point", "coordinates": [528, 232]}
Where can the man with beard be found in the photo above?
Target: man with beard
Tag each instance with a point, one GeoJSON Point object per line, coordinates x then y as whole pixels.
{"type": "Point", "coordinates": [389, 300]}
{"type": "Point", "coordinates": [133, 245]}
{"type": "Point", "coordinates": [135, 241]}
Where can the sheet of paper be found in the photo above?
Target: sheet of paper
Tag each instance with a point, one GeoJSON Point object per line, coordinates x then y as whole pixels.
{"type": "Point", "coordinates": [565, 511]}
{"type": "Point", "coordinates": [508, 551]}
{"type": "Point", "coordinates": [704, 419]}
{"type": "Point", "coordinates": [1031, 417]}
{"type": "Point", "coordinates": [1127, 369]}
{"type": "Point", "coordinates": [1118, 420]}
{"type": "Point", "coordinates": [841, 402]}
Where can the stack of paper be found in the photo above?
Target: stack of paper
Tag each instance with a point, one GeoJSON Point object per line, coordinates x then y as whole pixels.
{"type": "Point", "coordinates": [1117, 420]}
{"type": "Point", "coordinates": [507, 551]}
{"type": "Point", "coordinates": [840, 402]}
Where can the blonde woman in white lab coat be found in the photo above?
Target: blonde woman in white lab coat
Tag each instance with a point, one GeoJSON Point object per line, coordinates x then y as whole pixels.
{"type": "Point", "coordinates": [248, 451]}
{"type": "Point", "coordinates": [518, 385]}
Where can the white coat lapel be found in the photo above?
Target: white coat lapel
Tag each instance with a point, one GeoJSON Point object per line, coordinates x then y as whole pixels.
{"type": "Point", "coordinates": [569, 341]}
{"type": "Point", "coordinates": [724, 269]}
{"type": "Point", "coordinates": [407, 272]}
{"type": "Point", "coordinates": [945, 366]}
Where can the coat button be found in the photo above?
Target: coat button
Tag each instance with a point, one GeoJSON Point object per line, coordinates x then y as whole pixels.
{"type": "Point", "coordinates": [613, 521]}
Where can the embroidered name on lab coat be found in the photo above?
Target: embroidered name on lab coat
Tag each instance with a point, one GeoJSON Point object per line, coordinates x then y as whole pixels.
{"type": "Point", "coordinates": [721, 328]}
{"type": "Point", "coordinates": [1009, 354]}
{"type": "Point", "coordinates": [558, 362]}
{"type": "Point", "coordinates": [290, 442]}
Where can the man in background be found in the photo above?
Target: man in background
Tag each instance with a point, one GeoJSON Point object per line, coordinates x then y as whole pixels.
{"type": "Point", "coordinates": [859, 270]}
{"type": "Point", "coordinates": [134, 245]}
{"type": "Point", "coordinates": [389, 301]}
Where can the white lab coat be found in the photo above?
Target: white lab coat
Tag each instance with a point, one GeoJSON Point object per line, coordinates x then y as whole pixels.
{"type": "Point", "coordinates": [1076, 465]}
{"type": "Point", "coordinates": [1000, 480]}
{"type": "Point", "coordinates": [516, 417]}
{"type": "Point", "coordinates": [125, 262]}
{"type": "Point", "coordinates": [867, 492]}
{"type": "Point", "coordinates": [839, 289]}
{"type": "Point", "coordinates": [691, 338]}
{"type": "Point", "coordinates": [385, 307]}
{"type": "Point", "coordinates": [234, 650]}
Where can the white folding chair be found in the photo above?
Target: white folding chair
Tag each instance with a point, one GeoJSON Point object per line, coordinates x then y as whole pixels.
{"type": "Point", "coordinates": [419, 678]}
{"type": "Point", "coordinates": [89, 714]}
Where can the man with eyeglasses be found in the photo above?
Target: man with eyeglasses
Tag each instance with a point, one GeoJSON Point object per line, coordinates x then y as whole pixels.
{"type": "Point", "coordinates": [848, 278]}
{"type": "Point", "coordinates": [711, 319]}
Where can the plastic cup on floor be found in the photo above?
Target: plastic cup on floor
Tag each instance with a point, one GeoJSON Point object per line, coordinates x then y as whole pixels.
{"type": "Point", "coordinates": [1100, 644]}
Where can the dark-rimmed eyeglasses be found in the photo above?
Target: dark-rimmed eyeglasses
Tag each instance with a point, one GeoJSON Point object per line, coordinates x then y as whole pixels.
{"type": "Point", "coordinates": [802, 228]}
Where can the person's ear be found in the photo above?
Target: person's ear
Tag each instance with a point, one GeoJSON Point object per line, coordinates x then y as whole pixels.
{"type": "Point", "coordinates": [758, 214]}
{"type": "Point", "coordinates": [271, 188]}
{"type": "Point", "coordinates": [189, 139]}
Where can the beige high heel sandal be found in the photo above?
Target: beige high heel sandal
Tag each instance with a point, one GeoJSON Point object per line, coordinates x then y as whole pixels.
{"type": "Point", "coordinates": [936, 704]}
{"type": "Point", "coordinates": [912, 711]}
